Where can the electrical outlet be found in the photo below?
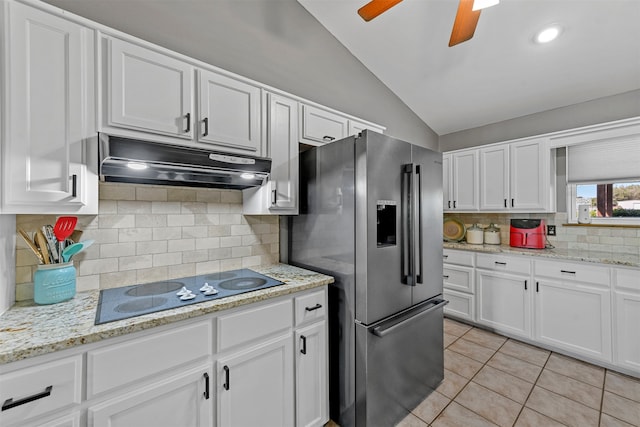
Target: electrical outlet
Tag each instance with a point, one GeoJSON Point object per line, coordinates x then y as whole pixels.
{"type": "Point", "coordinates": [551, 230]}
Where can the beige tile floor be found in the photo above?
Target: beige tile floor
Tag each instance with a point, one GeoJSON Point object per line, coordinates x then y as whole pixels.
{"type": "Point", "coordinates": [491, 380]}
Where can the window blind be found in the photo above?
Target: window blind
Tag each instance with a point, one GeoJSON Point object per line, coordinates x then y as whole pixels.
{"type": "Point", "coordinates": [604, 161]}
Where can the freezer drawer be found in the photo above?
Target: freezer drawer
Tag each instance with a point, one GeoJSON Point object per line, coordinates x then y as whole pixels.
{"type": "Point", "coordinates": [399, 361]}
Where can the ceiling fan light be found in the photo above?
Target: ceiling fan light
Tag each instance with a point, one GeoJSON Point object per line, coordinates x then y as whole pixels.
{"type": "Point", "coordinates": [483, 4]}
{"type": "Point", "coordinates": [547, 34]}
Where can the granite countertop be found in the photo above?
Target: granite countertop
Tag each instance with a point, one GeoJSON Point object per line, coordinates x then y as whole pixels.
{"type": "Point", "coordinates": [621, 259]}
{"type": "Point", "coordinates": [29, 330]}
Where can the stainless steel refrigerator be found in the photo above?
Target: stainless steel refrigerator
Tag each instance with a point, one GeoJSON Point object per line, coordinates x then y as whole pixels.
{"type": "Point", "coordinates": [371, 216]}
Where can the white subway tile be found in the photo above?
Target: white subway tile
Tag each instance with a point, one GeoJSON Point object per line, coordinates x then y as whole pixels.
{"type": "Point", "coordinates": [611, 240]}
{"type": "Point", "coordinates": [242, 251]}
{"type": "Point", "coordinates": [111, 191]}
{"type": "Point", "coordinates": [115, 250]}
{"type": "Point", "coordinates": [268, 238]}
{"type": "Point", "coordinates": [195, 232]}
{"type": "Point", "coordinates": [24, 274]}
{"type": "Point", "coordinates": [218, 230]}
{"type": "Point", "coordinates": [136, 262]}
{"type": "Point", "coordinates": [231, 264]}
{"type": "Point", "coordinates": [25, 257]}
{"type": "Point", "coordinates": [167, 233]}
{"type": "Point", "coordinates": [107, 207]}
{"type": "Point", "coordinates": [172, 258]}
{"type": "Point", "coordinates": [207, 267]}
{"type": "Point", "coordinates": [230, 219]}
{"type": "Point", "coordinates": [230, 241]}
{"type": "Point", "coordinates": [182, 270]}
{"type": "Point", "coordinates": [24, 291]}
{"type": "Point", "coordinates": [208, 243]}
{"type": "Point", "coordinates": [87, 283]}
{"type": "Point", "coordinates": [219, 253]}
{"type": "Point", "coordinates": [250, 240]}
{"type": "Point", "coordinates": [166, 207]}
{"type": "Point", "coordinates": [155, 274]}
{"type": "Point", "coordinates": [231, 196]}
{"type": "Point", "coordinates": [181, 245]}
{"type": "Point", "coordinates": [197, 256]}
{"type": "Point", "coordinates": [151, 247]}
{"type": "Point", "coordinates": [118, 279]}
{"type": "Point", "coordinates": [150, 193]}
{"type": "Point", "coordinates": [133, 207]}
{"type": "Point", "coordinates": [134, 234]}
{"type": "Point", "coordinates": [102, 235]}
{"type": "Point", "coordinates": [151, 220]}
{"type": "Point", "coordinates": [217, 207]}
{"type": "Point", "coordinates": [182, 220]}
{"type": "Point", "coordinates": [251, 261]}
{"type": "Point", "coordinates": [207, 219]}
{"type": "Point", "coordinates": [98, 266]}
{"type": "Point", "coordinates": [194, 207]}
{"type": "Point", "coordinates": [208, 195]}
{"type": "Point", "coordinates": [117, 221]}
{"type": "Point", "coordinates": [241, 230]}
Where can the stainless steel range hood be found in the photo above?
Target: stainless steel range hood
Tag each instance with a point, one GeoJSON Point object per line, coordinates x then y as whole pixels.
{"type": "Point", "coordinates": [142, 162]}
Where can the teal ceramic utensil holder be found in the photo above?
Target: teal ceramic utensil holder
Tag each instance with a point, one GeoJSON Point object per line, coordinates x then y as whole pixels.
{"type": "Point", "coordinates": [53, 283]}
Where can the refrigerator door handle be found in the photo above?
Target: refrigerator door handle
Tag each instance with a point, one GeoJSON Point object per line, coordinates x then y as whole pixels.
{"type": "Point", "coordinates": [406, 219]}
{"type": "Point", "coordinates": [418, 235]}
{"type": "Point", "coordinates": [390, 325]}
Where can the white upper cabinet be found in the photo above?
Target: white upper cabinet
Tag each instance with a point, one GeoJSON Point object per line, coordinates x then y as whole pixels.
{"type": "Point", "coordinates": [229, 113]}
{"type": "Point", "coordinates": [148, 91]}
{"type": "Point", "coordinates": [49, 138]}
{"type": "Point", "coordinates": [356, 127]}
{"type": "Point", "coordinates": [318, 127]}
{"type": "Point", "coordinates": [516, 176]}
{"type": "Point", "coordinates": [461, 171]}
{"type": "Point", "coordinates": [279, 195]}
{"type": "Point", "coordinates": [494, 178]}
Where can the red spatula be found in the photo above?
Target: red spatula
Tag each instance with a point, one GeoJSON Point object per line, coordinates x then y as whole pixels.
{"type": "Point", "coordinates": [63, 229]}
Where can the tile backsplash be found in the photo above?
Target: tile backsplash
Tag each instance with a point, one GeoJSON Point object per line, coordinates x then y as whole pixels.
{"type": "Point", "coordinates": [614, 240]}
{"type": "Point", "coordinates": [145, 233]}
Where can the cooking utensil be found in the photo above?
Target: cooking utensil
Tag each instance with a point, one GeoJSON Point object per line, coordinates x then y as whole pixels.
{"type": "Point", "coordinates": [453, 230]}
{"type": "Point", "coordinates": [63, 229]}
{"type": "Point", "coordinates": [47, 230]}
{"type": "Point", "coordinates": [41, 241]}
{"type": "Point", "coordinates": [75, 236]}
{"type": "Point", "coordinates": [31, 245]}
{"type": "Point", "coordinates": [71, 250]}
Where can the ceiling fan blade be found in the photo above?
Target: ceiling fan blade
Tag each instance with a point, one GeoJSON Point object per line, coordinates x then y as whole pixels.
{"type": "Point", "coordinates": [375, 8]}
{"type": "Point", "coordinates": [465, 24]}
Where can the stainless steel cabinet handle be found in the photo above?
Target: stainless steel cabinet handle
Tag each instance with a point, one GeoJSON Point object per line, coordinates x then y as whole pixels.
{"type": "Point", "coordinates": [315, 307]}
{"type": "Point", "coordinates": [500, 263]}
{"type": "Point", "coordinates": [10, 403]}
{"type": "Point", "coordinates": [226, 384]}
{"type": "Point", "coordinates": [303, 349]}
{"type": "Point", "coordinates": [407, 257]}
{"type": "Point", "coordinates": [187, 117]}
{"type": "Point", "coordinates": [206, 126]}
{"type": "Point", "coordinates": [382, 330]}
{"type": "Point", "coordinates": [206, 386]}
{"type": "Point", "coordinates": [328, 138]}
{"type": "Point", "coordinates": [418, 198]}
{"type": "Point", "coordinates": [74, 185]}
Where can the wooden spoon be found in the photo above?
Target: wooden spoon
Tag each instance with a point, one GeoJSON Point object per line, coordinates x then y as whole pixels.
{"type": "Point", "coordinates": [41, 241]}
{"type": "Point", "coordinates": [31, 245]}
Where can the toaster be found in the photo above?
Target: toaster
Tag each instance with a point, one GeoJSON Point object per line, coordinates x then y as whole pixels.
{"type": "Point", "coordinates": [528, 233]}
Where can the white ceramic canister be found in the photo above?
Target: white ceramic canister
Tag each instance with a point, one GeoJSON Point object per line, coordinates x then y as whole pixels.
{"type": "Point", "coordinates": [492, 235]}
{"type": "Point", "coordinates": [475, 235]}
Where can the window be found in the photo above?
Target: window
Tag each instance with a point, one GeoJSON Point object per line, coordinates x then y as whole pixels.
{"type": "Point", "coordinates": [605, 175]}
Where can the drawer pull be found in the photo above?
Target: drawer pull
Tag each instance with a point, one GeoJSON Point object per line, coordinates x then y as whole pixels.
{"type": "Point", "coordinates": [315, 307]}
{"type": "Point", "coordinates": [206, 126]}
{"type": "Point", "coordinates": [226, 378]}
{"type": "Point", "coordinates": [74, 185]}
{"type": "Point", "coordinates": [500, 263]}
{"type": "Point", "coordinates": [303, 350]}
{"type": "Point", "coordinates": [206, 386]}
{"type": "Point", "coordinates": [445, 276]}
{"type": "Point", "coordinates": [187, 117]}
{"type": "Point", "coordinates": [537, 287]}
{"type": "Point", "coordinates": [567, 271]}
{"type": "Point", "coordinates": [525, 285]}
{"type": "Point", "coordinates": [10, 403]}
{"type": "Point", "coordinates": [445, 256]}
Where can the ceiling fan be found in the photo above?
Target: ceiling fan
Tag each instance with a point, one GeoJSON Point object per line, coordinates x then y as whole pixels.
{"type": "Point", "coordinates": [463, 27]}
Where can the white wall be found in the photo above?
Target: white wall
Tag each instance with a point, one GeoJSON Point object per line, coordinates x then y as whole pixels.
{"type": "Point", "coordinates": [276, 42]}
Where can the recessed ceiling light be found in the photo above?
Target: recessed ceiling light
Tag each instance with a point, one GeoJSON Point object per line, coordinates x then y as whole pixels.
{"type": "Point", "coordinates": [547, 34]}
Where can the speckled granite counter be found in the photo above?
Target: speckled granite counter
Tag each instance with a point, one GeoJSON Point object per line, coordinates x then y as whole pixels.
{"type": "Point", "coordinates": [29, 330]}
{"type": "Point", "coordinates": [626, 260]}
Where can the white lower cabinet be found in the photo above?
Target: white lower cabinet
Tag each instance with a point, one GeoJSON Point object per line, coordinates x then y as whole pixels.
{"type": "Point", "coordinates": [182, 400]}
{"type": "Point", "coordinates": [627, 318]}
{"type": "Point", "coordinates": [255, 386]}
{"type": "Point", "coordinates": [311, 375]}
{"type": "Point", "coordinates": [503, 302]}
{"type": "Point", "coordinates": [459, 284]}
{"type": "Point", "coordinates": [573, 308]}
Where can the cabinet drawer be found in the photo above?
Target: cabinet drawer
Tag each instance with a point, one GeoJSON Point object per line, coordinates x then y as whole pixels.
{"type": "Point", "coordinates": [310, 307]}
{"type": "Point", "coordinates": [458, 257]}
{"type": "Point", "coordinates": [513, 264]}
{"type": "Point", "coordinates": [627, 279]}
{"type": "Point", "coordinates": [142, 357]}
{"type": "Point", "coordinates": [248, 325]}
{"type": "Point", "coordinates": [460, 305]}
{"type": "Point", "coordinates": [40, 389]}
{"type": "Point", "coordinates": [573, 271]}
{"type": "Point", "coordinates": [458, 278]}
{"type": "Point", "coordinates": [320, 126]}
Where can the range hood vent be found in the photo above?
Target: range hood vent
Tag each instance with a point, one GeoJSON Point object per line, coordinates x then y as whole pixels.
{"type": "Point", "coordinates": [142, 162]}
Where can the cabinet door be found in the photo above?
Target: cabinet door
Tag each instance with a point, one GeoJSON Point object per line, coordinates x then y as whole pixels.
{"type": "Point", "coordinates": [503, 302]}
{"type": "Point", "coordinates": [627, 320]}
{"type": "Point", "coordinates": [320, 127]}
{"type": "Point", "coordinates": [574, 317]}
{"type": "Point", "coordinates": [529, 171]}
{"type": "Point", "coordinates": [311, 376]}
{"type": "Point", "coordinates": [229, 114]}
{"type": "Point", "coordinates": [465, 180]}
{"type": "Point", "coordinates": [447, 194]}
{"type": "Point", "coordinates": [148, 91]}
{"type": "Point", "coordinates": [461, 305]}
{"type": "Point", "coordinates": [184, 400]}
{"type": "Point", "coordinates": [48, 118]}
{"type": "Point", "coordinates": [255, 386]}
{"type": "Point", "coordinates": [494, 178]}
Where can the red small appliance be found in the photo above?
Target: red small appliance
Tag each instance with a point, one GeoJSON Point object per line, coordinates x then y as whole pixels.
{"type": "Point", "coordinates": [528, 233]}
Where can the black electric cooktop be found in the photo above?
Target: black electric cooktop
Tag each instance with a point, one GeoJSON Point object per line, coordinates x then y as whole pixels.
{"type": "Point", "coordinates": [136, 300]}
